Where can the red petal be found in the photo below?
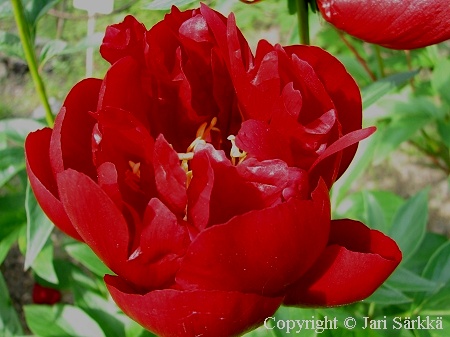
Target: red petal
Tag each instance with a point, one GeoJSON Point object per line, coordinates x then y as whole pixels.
{"type": "Point", "coordinates": [342, 143]}
{"type": "Point", "coordinates": [263, 142]}
{"type": "Point", "coordinates": [199, 191]}
{"type": "Point", "coordinates": [43, 182]}
{"type": "Point", "coordinates": [123, 139]}
{"type": "Point", "coordinates": [70, 146]}
{"type": "Point", "coordinates": [122, 88]}
{"type": "Point", "coordinates": [260, 251]}
{"type": "Point", "coordinates": [104, 228]}
{"type": "Point", "coordinates": [107, 180]}
{"type": "Point", "coordinates": [169, 176]}
{"type": "Point", "coordinates": [163, 233]}
{"type": "Point", "coordinates": [230, 193]}
{"type": "Point", "coordinates": [355, 263]}
{"type": "Point", "coordinates": [174, 313]}
{"type": "Point", "coordinates": [95, 217]}
{"type": "Point", "coordinates": [124, 39]}
{"type": "Point", "coordinates": [341, 87]}
{"type": "Point", "coordinates": [393, 24]}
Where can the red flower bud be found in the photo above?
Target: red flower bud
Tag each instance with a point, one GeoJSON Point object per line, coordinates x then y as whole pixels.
{"type": "Point", "coordinates": [45, 295]}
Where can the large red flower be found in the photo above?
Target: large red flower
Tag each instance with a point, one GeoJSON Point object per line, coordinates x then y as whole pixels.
{"type": "Point", "coordinates": [406, 24]}
{"type": "Point", "coordinates": [199, 173]}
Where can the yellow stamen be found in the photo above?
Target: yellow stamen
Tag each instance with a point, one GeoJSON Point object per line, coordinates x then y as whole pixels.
{"type": "Point", "coordinates": [235, 152]}
{"type": "Point", "coordinates": [135, 168]}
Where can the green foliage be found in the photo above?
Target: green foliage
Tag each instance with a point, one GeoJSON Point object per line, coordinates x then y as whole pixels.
{"type": "Point", "coordinates": [65, 320]}
{"type": "Point", "coordinates": [9, 322]}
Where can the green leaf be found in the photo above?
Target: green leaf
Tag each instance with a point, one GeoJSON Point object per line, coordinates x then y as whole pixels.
{"type": "Point", "coordinates": [102, 311]}
{"type": "Point", "coordinates": [438, 270]}
{"type": "Point", "coordinates": [12, 213]}
{"type": "Point", "coordinates": [133, 329]}
{"type": "Point", "coordinates": [397, 132]}
{"type": "Point", "coordinates": [9, 321]}
{"type": "Point", "coordinates": [83, 254]}
{"type": "Point", "coordinates": [408, 281]}
{"type": "Point", "coordinates": [35, 9]}
{"type": "Point", "coordinates": [11, 162]}
{"type": "Point", "coordinates": [60, 320]}
{"type": "Point", "coordinates": [443, 127]}
{"type": "Point", "coordinates": [362, 160]}
{"type": "Point", "coordinates": [39, 228]}
{"type": "Point", "coordinates": [50, 49]}
{"type": "Point", "coordinates": [428, 247]}
{"type": "Point", "coordinates": [10, 45]}
{"type": "Point", "coordinates": [365, 205]}
{"type": "Point", "coordinates": [440, 79]}
{"type": "Point", "coordinates": [43, 264]}
{"type": "Point", "coordinates": [375, 216]}
{"type": "Point", "coordinates": [373, 92]}
{"type": "Point", "coordinates": [292, 6]}
{"type": "Point", "coordinates": [387, 295]}
{"type": "Point", "coordinates": [167, 4]}
{"type": "Point", "coordinates": [6, 244]}
{"type": "Point", "coordinates": [409, 224]}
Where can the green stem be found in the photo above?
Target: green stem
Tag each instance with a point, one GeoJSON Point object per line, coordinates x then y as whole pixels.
{"type": "Point", "coordinates": [379, 61]}
{"type": "Point", "coordinates": [30, 57]}
{"type": "Point", "coordinates": [303, 21]}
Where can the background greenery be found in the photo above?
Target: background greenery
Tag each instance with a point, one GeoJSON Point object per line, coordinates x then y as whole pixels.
{"type": "Point", "coordinates": [398, 183]}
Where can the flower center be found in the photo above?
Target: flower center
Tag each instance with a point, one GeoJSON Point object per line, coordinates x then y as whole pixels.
{"type": "Point", "coordinates": [203, 135]}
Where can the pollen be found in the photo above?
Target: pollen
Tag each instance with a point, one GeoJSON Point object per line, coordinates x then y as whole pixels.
{"type": "Point", "coordinates": [235, 152]}
{"type": "Point", "coordinates": [135, 168]}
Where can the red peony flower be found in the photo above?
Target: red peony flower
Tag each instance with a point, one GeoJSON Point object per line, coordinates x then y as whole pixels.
{"type": "Point", "coordinates": [199, 173]}
{"type": "Point", "coordinates": [393, 24]}
{"type": "Point", "coordinates": [45, 295]}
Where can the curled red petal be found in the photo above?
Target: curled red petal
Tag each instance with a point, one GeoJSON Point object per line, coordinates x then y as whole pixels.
{"type": "Point", "coordinates": [95, 217]}
{"type": "Point", "coordinates": [355, 263]}
{"type": "Point", "coordinates": [405, 24]}
{"type": "Point", "coordinates": [174, 313]}
{"type": "Point", "coordinates": [224, 189]}
{"type": "Point", "coordinates": [70, 145]}
{"type": "Point", "coordinates": [124, 39]}
{"type": "Point", "coordinates": [339, 145]}
{"type": "Point", "coordinates": [104, 228]}
{"type": "Point", "coordinates": [43, 182]}
{"type": "Point", "coordinates": [340, 86]}
{"type": "Point", "coordinates": [260, 251]}
{"type": "Point", "coordinates": [169, 176]}
{"type": "Point", "coordinates": [163, 233]}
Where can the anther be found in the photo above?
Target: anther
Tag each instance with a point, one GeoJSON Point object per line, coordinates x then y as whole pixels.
{"type": "Point", "coordinates": [135, 168]}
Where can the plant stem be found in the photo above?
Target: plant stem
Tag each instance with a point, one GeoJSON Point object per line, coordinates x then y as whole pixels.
{"type": "Point", "coordinates": [303, 21]}
{"type": "Point", "coordinates": [379, 60]}
{"type": "Point", "coordinates": [30, 57]}
{"type": "Point", "coordinates": [358, 57]}
{"type": "Point", "coordinates": [408, 62]}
